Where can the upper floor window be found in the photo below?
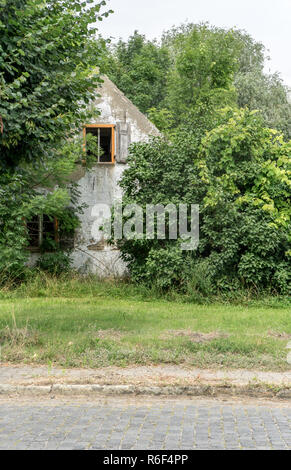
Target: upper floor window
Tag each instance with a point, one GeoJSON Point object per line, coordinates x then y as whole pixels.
{"type": "Point", "coordinates": [105, 134]}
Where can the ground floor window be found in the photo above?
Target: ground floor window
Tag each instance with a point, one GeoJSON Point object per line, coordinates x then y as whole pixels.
{"type": "Point", "coordinates": [42, 233]}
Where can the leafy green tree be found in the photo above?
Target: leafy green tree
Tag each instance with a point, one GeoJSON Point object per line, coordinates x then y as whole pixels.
{"type": "Point", "coordinates": [49, 59]}
{"type": "Point", "coordinates": [240, 177]}
{"type": "Point", "coordinates": [252, 54]}
{"type": "Point", "coordinates": [268, 94]}
{"type": "Point", "coordinates": [36, 190]}
{"type": "Point", "coordinates": [196, 69]}
{"type": "Point", "coordinates": [246, 209]}
{"type": "Point", "coordinates": [251, 87]}
{"type": "Point", "coordinates": [258, 90]}
{"type": "Point", "coordinates": [159, 172]}
{"type": "Point", "coordinates": [21, 200]}
{"type": "Point", "coordinates": [49, 56]}
{"type": "Point", "coordinates": [204, 63]}
{"type": "Point", "coordinates": [139, 68]}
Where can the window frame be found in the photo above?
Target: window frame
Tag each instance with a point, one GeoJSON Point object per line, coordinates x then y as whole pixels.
{"type": "Point", "coordinates": [100, 126]}
{"type": "Point", "coordinates": [37, 249]}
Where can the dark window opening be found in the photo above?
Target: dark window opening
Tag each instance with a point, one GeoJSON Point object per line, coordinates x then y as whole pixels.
{"type": "Point", "coordinates": [105, 141]}
{"type": "Point", "coordinates": [33, 228]}
{"type": "Point", "coordinates": [49, 234]}
{"type": "Point", "coordinates": [42, 233]}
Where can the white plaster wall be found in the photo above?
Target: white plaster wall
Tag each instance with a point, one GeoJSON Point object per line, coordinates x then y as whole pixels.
{"type": "Point", "coordinates": [100, 185]}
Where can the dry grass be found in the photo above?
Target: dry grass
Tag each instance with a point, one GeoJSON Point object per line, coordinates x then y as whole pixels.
{"type": "Point", "coordinates": [21, 337]}
{"type": "Point", "coordinates": [110, 334]}
{"type": "Point", "coordinates": [194, 336]}
{"type": "Point", "coordinates": [279, 335]}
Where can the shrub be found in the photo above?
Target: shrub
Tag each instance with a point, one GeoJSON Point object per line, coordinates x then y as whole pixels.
{"type": "Point", "coordinates": [55, 263]}
{"type": "Point", "coordinates": [240, 177]}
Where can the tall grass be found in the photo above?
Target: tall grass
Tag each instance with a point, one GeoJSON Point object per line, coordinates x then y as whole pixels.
{"type": "Point", "coordinates": [36, 284]}
{"type": "Point", "coordinates": [18, 336]}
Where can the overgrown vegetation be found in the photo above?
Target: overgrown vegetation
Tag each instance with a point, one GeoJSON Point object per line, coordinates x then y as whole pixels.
{"type": "Point", "coordinates": [239, 174]}
{"type": "Point", "coordinates": [226, 126]}
{"type": "Point", "coordinates": [49, 58]}
{"type": "Point", "coordinates": [202, 86]}
{"type": "Point", "coordinates": [38, 283]}
{"type": "Point", "coordinates": [198, 66]}
{"type": "Point", "coordinates": [139, 68]}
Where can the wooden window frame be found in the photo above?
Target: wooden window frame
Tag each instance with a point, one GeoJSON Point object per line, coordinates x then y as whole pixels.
{"type": "Point", "coordinates": [100, 126]}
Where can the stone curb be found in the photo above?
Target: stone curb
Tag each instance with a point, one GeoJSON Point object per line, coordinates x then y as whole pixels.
{"type": "Point", "coordinates": [226, 389]}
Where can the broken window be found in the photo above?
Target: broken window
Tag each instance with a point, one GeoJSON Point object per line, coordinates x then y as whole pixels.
{"type": "Point", "coordinates": [105, 136]}
{"type": "Point", "coordinates": [42, 233]}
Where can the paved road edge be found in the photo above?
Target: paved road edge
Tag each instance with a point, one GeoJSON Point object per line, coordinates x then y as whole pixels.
{"type": "Point", "coordinates": [258, 390]}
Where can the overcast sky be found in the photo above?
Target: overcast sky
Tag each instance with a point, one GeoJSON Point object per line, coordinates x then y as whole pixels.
{"type": "Point", "coordinates": [268, 21]}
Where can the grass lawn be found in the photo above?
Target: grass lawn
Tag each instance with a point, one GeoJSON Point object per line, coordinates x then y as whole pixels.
{"type": "Point", "coordinates": [100, 329]}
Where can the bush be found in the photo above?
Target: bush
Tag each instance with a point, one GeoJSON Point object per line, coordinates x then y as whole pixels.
{"type": "Point", "coordinates": [55, 263]}
{"type": "Point", "coordinates": [240, 177]}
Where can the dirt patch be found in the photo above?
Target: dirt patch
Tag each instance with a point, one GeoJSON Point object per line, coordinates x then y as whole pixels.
{"type": "Point", "coordinates": [279, 335]}
{"type": "Point", "coordinates": [146, 376]}
{"type": "Point", "coordinates": [109, 334]}
{"type": "Point", "coordinates": [195, 336]}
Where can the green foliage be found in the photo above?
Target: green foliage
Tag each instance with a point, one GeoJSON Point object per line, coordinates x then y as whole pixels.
{"type": "Point", "coordinates": [198, 67]}
{"type": "Point", "coordinates": [229, 162]}
{"type": "Point", "coordinates": [258, 90]}
{"type": "Point", "coordinates": [12, 228]}
{"type": "Point", "coordinates": [239, 174]}
{"type": "Point", "coordinates": [21, 199]}
{"type": "Point", "coordinates": [159, 172]}
{"type": "Point", "coordinates": [162, 118]}
{"type": "Point", "coordinates": [252, 54]}
{"type": "Point", "coordinates": [49, 59]}
{"type": "Point", "coordinates": [204, 63]}
{"type": "Point", "coordinates": [268, 94]}
{"type": "Point", "coordinates": [246, 169]}
{"type": "Point", "coordinates": [139, 68]}
{"type": "Point", "coordinates": [55, 263]}
{"type": "Point", "coordinates": [68, 222]}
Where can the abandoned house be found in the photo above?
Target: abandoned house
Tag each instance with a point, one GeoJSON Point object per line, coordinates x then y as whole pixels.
{"type": "Point", "coordinates": [119, 124]}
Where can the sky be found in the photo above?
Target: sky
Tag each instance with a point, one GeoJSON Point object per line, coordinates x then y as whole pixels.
{"type": "Point", "coordinates": [268, 21]}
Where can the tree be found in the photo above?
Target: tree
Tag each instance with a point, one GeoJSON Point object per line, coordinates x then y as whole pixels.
{"type": "Point", "coordinates": [258, 90]}
{"type": "Point", "coordinates": [268, 94]}
{"type": "Point", "coordinates": [139, 68]}
{"type": "Point", "coordinates": [246, 209]}
{"type": "Point", "coordinates": [35, 190]}
{"type": "Point", "coordinates": [49, 59]}
{"type": "Point", "coordinates": [194, 69]}
{"type": "Point", "coordinates": [204, 63]}
{"type": "Point", "coordinates": [159, 172]}
{"type": "Point", "coordinates": [240, 177]}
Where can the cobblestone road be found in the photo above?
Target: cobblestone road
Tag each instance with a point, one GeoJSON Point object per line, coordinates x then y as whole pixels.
{"type": "Point", "coordinates": [149, 424]}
